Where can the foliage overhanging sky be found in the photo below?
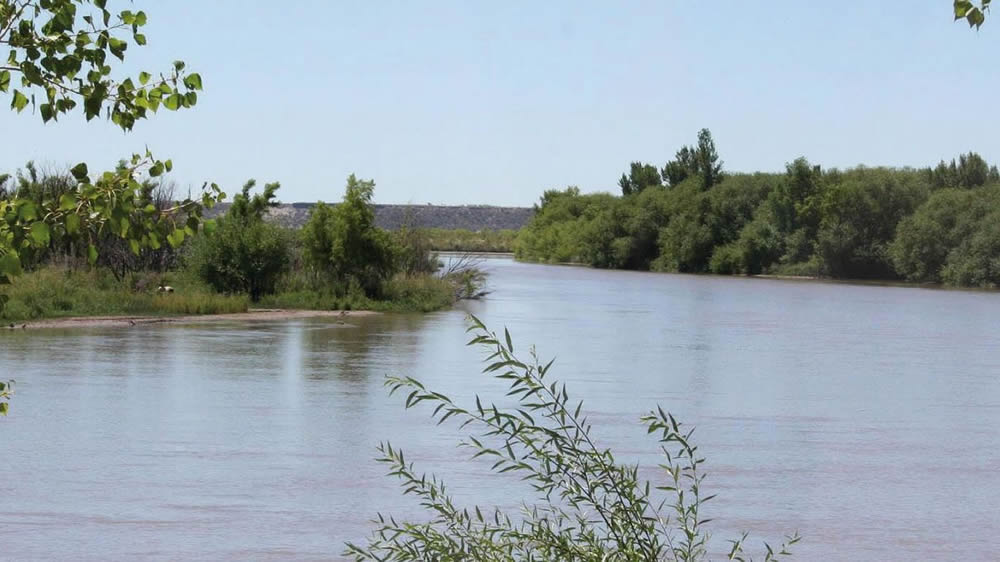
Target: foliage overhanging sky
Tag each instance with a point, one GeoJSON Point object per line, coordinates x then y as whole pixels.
{"type": "Point", "coordinates": [451, 102]}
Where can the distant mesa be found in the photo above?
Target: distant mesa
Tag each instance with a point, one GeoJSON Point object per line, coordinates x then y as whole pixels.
{"type": "Point", "coordinates": [391, 217]}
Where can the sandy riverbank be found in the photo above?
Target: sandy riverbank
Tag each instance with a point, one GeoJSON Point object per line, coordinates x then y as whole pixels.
{"type": "Point", "coordinates": [128, 321]}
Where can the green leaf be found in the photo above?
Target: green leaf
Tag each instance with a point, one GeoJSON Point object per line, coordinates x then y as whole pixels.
{"type": "Point", "coordinates": [40, 233]}
{"type": "Point", "coordinates": [173, 102]}
{"type": "Point", "coordinates": [176, 238]}
{"type": "Point", "coordinates": [134, 245]}
{"type": "Point", "coordinates": [209, 225]}
{"type": "Point", "coordinates": [117, 47]}
{"type": "Point", "coordinates": [143, 78]}
{"type": "Point", "coordinates": [10, 264]}
{"type": "Point", "coordinates": [92, 254]}
{"type": "Point", "coordinates": [168, 165]}
{"type": "Point", "coordinates": [156, 169]}
{"type": "Point", "coordinates": [19, 102]}
{"type": "Point", "coordinates": [962, 8]}
{"type": "Point", "coordinates": [27, 211]}
{"type": "Point", "coordinates": [67, 202]}
{"type": "Point", "coordinates": [4, 80]}
{"type": "Point", "coordinates": [193, 81]}
{"type": "Point", "coordinates": [72, 223]}
{"type": "Point", "coordinates": [80, 172]}
{"type": "Point", "coordinates": [976, 18]}
{"type": "Point", "coordinates": [140, 39]}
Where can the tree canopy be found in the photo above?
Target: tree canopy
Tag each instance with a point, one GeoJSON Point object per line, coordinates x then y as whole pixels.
{"type": "Point", "coordinates": [343, 243]}
{"type": "Point", "coordinates": [925, 225]}
{"type": "Point", "coordinates": [640, 177]}
{"type": "Point", "coordinates": [60, 56]}
{"type": "Point", "coordinates": [701, 160]}
{"type": "Point", "coordinates": [245, 254]}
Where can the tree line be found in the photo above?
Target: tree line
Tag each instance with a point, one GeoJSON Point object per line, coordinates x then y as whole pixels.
{"type": "Point", "coordinates": [928, 225]}
{"type": "Point", "coordinates": [338, 252]}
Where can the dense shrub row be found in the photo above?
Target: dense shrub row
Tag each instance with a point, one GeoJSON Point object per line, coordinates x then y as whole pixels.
{"type": "Point", "coordinates": [339, 260]}
{"type": "Point", "coordinates": [924, 225]}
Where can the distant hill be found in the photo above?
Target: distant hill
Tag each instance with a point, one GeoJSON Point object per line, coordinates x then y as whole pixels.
{"type": "Point", "coordinates": [391, 217]}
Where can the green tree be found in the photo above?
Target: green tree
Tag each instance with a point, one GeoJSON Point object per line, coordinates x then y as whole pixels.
{"type": "Point", "coordinates": [970, 171]}
{"type": "Point", "coordinates": [556, 232]}
{"type": "Point", "coordinates": [686, 242]}
{"type": "Point", "coordinates": [640, 177]}
{"type": "Point", "coordinates": [707, 161]}
{"type": "Point", "coordinates": [345, 243]}
{"type": "Point", "coordinates": [317, 239]}
{"type": "Point", "coordinates": [976, 260]}
{"type": "Point", "coordinates": [700, 160]}
{"type": "Point", "coordinates": [680, 168]}
{"type": "Point", "coordinates": [247, 208]}
{"type": "Point", "coordinates": [947, 239]}
{"type": "Point", "coordinates": [246, 254]}
{"type": "Point", "coordinates": [860, 216]}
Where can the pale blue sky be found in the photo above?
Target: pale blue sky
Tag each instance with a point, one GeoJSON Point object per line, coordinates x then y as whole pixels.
{"type": "Point", "coordinates": [473, 102]}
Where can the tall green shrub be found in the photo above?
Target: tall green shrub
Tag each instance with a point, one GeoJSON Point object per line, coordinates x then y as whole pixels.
{"type": "Point", "coordinates": [245, 254]}
{"type": "Point", "coordinates": [344, 243]}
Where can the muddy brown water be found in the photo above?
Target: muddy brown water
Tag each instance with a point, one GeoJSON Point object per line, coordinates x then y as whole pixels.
{"type": "Point", "coordinates": [865, 417]}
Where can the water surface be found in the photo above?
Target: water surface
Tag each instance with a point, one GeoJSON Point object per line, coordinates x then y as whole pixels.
{"type": "Point", "coordinates": [865, 417]}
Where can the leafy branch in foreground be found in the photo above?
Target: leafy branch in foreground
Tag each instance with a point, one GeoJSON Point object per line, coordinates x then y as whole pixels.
{"type": "Point", "coordinates": [971, 12]}
{"type": "Point", "coordinates": [112, 203]}
{"type": "Point", "coordinates": [588, 505]}
{"type": "Point", "coordinates": [59, 55]}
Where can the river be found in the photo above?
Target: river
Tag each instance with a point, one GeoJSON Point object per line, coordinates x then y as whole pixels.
{"type": "Point", "coordinates": [867, 418]}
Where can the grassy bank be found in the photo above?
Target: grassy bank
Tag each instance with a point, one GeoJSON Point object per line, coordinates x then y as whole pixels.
{"type": "Point", "coordinates": [479, 241]}
{"type": "Point", "coordinates": [403, 293]}
{"type": "Point", "coordinates": [58, 292]}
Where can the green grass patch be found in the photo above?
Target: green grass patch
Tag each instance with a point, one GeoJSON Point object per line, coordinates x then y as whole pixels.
{"type": "Point", "coordinates": [55, 292]}
{"type": "Point", "coordinates": [460, 240]}
{"type": "Point", "coordinates": [418, 293]}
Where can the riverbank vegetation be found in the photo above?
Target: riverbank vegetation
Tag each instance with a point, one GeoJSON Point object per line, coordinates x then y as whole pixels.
{"type": "Point", "coordinates": [58, 291]}
{"type": "Point", "coordinates": [106, 243]}
{"type": "Point", "coordinates": [339, 261]}
{"type": "Point", "coordinates": [473, 241]}
{"type": "Point", "coordinates": [928, 225]}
